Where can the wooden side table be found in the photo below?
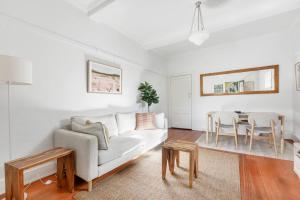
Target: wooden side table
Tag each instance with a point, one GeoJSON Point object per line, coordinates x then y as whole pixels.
{"type": "Point", "coordinates": [14, 171]}
{"type": "Point", "coordinates": [170, 154]}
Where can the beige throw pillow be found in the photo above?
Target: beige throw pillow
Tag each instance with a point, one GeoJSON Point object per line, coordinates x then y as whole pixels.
{"type": "Point", "coordinates": [97, 129]}
{"type": "Point", "coordinates": [145, 121]}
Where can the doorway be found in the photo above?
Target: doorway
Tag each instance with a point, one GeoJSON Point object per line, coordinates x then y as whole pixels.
{"type": "Point", "coordinates": [181, 101]}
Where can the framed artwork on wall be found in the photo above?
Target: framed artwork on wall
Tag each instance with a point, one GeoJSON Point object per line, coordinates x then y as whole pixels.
{"type": "Point", "coordinates": [103, 78]}
{"type": "Point", "coordinates": [297, 71]}
{"type": "Point", "coordinates": [231, 87]}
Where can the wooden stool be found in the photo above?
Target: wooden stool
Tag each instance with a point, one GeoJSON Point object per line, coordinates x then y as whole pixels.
{"type": "Point", "coordinates": [170, 154]}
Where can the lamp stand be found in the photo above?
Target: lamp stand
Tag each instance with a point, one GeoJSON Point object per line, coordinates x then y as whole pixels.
{"type": "Point", "coordinates": [9, 116]}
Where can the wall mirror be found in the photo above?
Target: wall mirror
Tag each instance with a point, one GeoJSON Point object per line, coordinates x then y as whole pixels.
{"type": "Point", "coordinates": [258, 80]}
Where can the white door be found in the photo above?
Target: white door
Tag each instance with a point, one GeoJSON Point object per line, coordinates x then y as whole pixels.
{"type": "Point", "coordinates": [181, 101]}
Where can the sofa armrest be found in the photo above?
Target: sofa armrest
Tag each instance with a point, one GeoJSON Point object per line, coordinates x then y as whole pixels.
{"type": "Point", "coordinates": [86, 151]}
{"type": "Point", "coordinates": [166, 124]}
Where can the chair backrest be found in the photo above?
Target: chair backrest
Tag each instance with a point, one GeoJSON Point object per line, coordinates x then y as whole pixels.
{"type": "Point", "coordinates": [263, 119]}
{"type": "Point", "coordinates": [226, 118]}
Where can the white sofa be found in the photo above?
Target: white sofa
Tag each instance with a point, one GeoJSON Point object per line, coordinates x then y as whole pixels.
{"type": "Point", "coordinates": [124, 145]}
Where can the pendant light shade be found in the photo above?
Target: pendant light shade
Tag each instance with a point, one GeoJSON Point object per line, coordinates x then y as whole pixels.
{"type": "Point", "coordinates": [198, 34]}
{"type": "Point", "coordinates": [198, 37]}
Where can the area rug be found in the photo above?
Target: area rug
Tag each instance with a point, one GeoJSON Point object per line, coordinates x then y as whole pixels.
{"type": "Point", "coordinates": [218, 179]}
{"type": "Point", "coordinates": [259, 147]}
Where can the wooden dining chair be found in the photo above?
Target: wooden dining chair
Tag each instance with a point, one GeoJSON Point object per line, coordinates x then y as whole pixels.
{"type": "Point", "coordinates": [262, 126]}
{"type": "Point", "coordinates": [226, 125]}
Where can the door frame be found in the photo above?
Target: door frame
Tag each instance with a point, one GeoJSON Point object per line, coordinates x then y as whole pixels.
{"type": "Point", "coordinates": [170, 99]}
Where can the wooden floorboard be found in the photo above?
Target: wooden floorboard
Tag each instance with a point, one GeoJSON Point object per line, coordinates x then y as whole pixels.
{"type": "Point", "coordinates": [260, 178]}
{"type": "Point", "coordinates": [267, 178]}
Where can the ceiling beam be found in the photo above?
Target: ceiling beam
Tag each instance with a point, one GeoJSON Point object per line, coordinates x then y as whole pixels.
{"type": "Point", "coordinates": [98, 6]}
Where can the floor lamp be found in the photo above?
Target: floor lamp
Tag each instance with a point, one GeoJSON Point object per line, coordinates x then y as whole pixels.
{"type": "Point", "coordinates": [14, 71]}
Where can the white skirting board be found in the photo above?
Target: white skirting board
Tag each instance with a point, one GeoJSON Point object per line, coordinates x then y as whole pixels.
{"type": "Point", "coordinates": [34, 174]}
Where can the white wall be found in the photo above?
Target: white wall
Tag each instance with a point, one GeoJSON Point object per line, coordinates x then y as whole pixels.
{"type": "Point", "coordinates": [253, 52]}
{"type": "Point", "coordinates": [59, 73]}
{"type": "Point", "coordinates": [295, 32]}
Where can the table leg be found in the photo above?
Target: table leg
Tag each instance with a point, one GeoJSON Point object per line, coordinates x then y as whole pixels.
{"type": "Point", "coordinates": [164, 162]}
{"type": "Point", "coordinates": [177, 158]}
{"type": "Point", "coordinates": [60, 171]}
{"type": "Point", "coordinates": [196, 162]}
{"type": "Point", "coordinates": [8, 182]}
{"type": "Point", "coordinates": [14, 183]}
{"type": "Point", "coordinates": [172, 154]}
{"type": "Point", "coordinates": [19, 190]}
{"type": "Point", "coordinates": [191, 170]}
{"type": "Point", "coordinates": [70, 172]}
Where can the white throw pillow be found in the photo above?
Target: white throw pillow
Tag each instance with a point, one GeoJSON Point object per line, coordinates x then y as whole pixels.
{"type": "Point", "coordinates": [126, 122]}
{"type": "Point", "coordinates": [108, 120]}
{"type": "Point", "coordinates": [160, 120]}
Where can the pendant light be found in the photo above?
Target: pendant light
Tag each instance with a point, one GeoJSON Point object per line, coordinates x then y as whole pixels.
{"type": "Point", "coordinates": [198, 34]}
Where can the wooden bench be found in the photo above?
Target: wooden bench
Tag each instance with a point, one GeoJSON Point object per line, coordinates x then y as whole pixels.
{"type": "Point", "coordinates": [14, 171]}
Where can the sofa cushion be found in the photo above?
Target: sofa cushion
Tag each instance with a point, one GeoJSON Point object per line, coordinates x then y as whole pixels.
{"type": "Point", "coordinates": [160, 120]}
{"type": "Point", "coordinates": [108, 120]}
{"type": "Point", "coordinates": [149, 138]}
{"type": "Point", "coordinates": [118, 147]}
{"type": "Point", "coordinates": [96, 129]}
{"type": "Point", "coordinates": [145, 121]}
{"type": "Point", "coordinates": [126, 122]}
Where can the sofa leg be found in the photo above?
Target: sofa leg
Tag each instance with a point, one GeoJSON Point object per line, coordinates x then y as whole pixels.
{"type": "Point", "coordinates": [90, 186]}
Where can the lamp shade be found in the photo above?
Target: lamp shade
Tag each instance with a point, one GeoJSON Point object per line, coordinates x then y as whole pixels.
{"type": "Point", "coordinates": [15, 71]}
{"type": "Point", "coordinates": [198, 37]}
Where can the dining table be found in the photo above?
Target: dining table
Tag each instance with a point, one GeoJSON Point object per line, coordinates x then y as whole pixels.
{"type": "Point", "coordinates": [243, 119]}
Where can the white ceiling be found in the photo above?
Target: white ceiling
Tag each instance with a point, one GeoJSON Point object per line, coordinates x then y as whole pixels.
{"type": "Point", "coordinates": [161, 25]}
{"type": "Point", "coordinates": [89, 5]}
{"type": "Point", "coordinates": [272, 24]}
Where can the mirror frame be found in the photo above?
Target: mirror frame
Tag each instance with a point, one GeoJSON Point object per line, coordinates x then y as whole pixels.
{"type": "Point", "coordinates": [276, 79]}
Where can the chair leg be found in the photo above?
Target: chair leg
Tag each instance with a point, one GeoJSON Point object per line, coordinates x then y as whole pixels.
{"type": "Point", "coordinates": [282, 145]}
{"type": "Point", "coordinates": [236, 139]}
{"type": "Point", "coordinates": [246, 136]}
{"type": "Point", "coordinates": [274, 142]}
{"type": "Point", "coordinates": [217, 136]}
{"type": "Point", "coordinates": [270, 140]}
{"type": "Point", "coordinates": [251, 139]}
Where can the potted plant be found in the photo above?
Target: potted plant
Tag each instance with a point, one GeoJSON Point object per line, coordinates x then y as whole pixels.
{"type": "Point", "coordinates": [148, 94]}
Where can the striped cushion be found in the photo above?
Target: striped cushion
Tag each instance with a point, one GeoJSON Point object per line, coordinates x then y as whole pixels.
{"type": "Point", "coordinates": [145, 121]}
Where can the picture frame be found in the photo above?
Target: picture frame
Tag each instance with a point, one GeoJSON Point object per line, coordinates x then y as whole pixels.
{"type": "Point", "coordinates": [218, 88]}
{"type": "Point", "coordinates": [104, 78]}
{"type": "Point", "coordinates": [297, 74]}
{"type": "Point", "coordinates": [231, 87]}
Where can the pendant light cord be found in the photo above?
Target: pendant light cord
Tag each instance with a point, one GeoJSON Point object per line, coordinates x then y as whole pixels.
{"type": "Point", "coordinates": [198, 8]}
{"type": "Point", "coordinates": [193, 21]}
{"type": "Point", "coordinates": [199, 17]}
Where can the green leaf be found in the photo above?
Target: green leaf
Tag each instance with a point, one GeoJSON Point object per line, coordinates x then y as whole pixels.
{"type": "Point", "coordinates": [148, 94]}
